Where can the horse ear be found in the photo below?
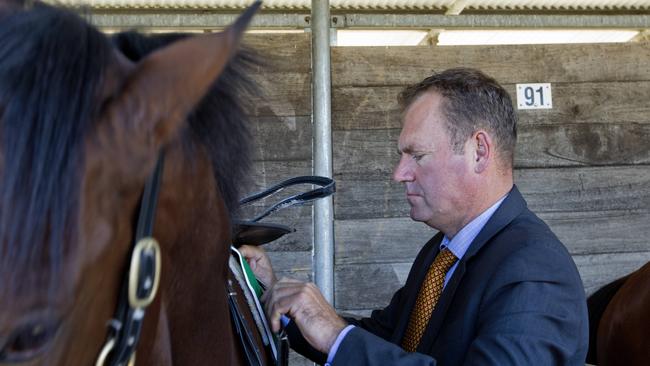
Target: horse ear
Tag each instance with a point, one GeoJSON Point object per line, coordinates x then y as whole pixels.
{"type": "Point", "coordinates": [163, 88]}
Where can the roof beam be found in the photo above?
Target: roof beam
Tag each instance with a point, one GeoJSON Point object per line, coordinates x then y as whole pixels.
{"type": "Point", "coordinates": [209, 20]}
{"type": "Point", "coordinates": [427, 21]}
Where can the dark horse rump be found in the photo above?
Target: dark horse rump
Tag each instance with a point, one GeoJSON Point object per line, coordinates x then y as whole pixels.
{"type": "Point", "coordinates": [619, 320]}
{"type": "Point", "coordinates": [597, 303]}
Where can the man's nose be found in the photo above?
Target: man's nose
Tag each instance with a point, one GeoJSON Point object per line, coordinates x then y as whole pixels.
{"type": "Point", "coordinates": [402, 172]}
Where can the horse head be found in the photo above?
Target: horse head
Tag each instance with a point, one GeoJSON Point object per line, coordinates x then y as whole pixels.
{"type": "Point", "coordinates": [81, 129]}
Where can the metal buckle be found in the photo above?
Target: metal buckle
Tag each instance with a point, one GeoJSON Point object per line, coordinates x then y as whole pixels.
{"type": "Point", "coordinates": [145, 247]}
{"type": "Point", "coordinates": [106, 350]}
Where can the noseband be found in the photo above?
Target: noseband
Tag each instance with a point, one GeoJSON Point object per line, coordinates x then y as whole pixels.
{"type": "Point", "coordinates": [139, 287]}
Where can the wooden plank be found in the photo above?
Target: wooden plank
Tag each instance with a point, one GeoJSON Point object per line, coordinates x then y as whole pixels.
{"type": "Point", "coordinates": [507, 64]}
{"type": "Point", "coordinates": [367, 195]}
{"type": "Point", "coordinates": [282, 138]}
{"type": "Point", "coordinates": [357, 285]}
{"type": "Point", "coordinates": [601, 232]}
{"type": "Point", "coordinates": [281, 52]}
{"type": "Point", "coordinates": [539, 146]}
{"type": "Point", "coordinates": [582, 144]}
{"type": "Point", "coordinates": [370, 151]}
{"type": "Point", "coordinates": [281, 94]}
{"type": "Point", "coordinates": [379, 240]}
{"type": "Point", "coordinates": [292, 264]}
{"type": "Point", "coordinates": [265, 173]}
{"type": "Point", "coordinates": [282, 74]}
{"type": "Point", "coordinates": [367, 286]}
{"type": "Point", "coordinates": [375, 107]}
{"type": "Point", "coordinates": [400, 239]}
{"type": "Point", "coordinates": [599, 270]}
{"type": "Point", "coordinates": [586, 189]}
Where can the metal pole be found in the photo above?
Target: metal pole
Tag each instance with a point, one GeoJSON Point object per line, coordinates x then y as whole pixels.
{"type": "Point", "coordinates": [322, 146]}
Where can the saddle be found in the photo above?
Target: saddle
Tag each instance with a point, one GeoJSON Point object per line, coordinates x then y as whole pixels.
{"type": "Point", "coordinates": [253, 232]}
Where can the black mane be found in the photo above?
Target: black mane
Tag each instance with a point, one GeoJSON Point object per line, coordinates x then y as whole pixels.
{"type": "Point", "coordinates": [51, 68]}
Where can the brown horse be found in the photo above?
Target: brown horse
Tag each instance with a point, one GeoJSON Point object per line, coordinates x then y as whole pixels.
{"type": "Point", "coordinates": [619, 315]}
{"type": "Point", "coordinates": [81, 126]}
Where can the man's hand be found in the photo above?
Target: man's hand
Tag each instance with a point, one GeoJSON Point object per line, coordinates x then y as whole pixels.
{"type": "Point", "coordinates": [260, 264]}
{"type": "Point", "coordinates": [306, 306]}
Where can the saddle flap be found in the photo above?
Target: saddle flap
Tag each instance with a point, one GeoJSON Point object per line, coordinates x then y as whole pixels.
{"type": "Point", "coordinates": [256, 233]}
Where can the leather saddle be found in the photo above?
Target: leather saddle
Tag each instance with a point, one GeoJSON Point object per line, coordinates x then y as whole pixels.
{"type": "Point", "coordinates": [253, 232]}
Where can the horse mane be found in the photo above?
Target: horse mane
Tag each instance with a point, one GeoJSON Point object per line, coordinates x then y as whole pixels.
{"type": "Point", "coordinates": [52, 65]}
{"type": "Point", "coordinates": [51, 68]}
{"type": "Point", "coordinates": [219, 122]}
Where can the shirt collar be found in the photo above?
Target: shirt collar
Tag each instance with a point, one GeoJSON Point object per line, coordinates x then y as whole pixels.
{"type": "Point", "coordinates": [461, 242]}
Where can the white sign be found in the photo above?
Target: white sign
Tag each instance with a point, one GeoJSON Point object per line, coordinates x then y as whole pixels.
{"type": "Point", "coordinates": [534, 96]}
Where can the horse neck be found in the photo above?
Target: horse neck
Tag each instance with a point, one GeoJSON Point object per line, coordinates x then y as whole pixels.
{"type": "Point", "coordinates": [193, 228]}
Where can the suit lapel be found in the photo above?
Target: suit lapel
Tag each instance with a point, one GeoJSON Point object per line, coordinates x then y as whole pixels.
{"type": "Point", "coordinates": [510, 208]}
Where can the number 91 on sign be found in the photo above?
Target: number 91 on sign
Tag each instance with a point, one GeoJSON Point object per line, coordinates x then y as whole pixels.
{"type": "Point", "coordinates": [534, 96]}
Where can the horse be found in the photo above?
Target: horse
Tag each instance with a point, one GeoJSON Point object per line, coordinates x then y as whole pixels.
{"type": "Point", "coordinates": [619, 321]}
{"type": "Point", "coordinates": [85, 122]}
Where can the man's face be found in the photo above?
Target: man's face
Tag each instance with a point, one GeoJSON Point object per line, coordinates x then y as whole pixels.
{"type": "Point", "coordinates": [438, 181]}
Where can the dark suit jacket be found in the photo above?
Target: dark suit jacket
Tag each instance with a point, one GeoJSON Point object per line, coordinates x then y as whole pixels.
{"type": "Point", "coordinates": [515, 298]}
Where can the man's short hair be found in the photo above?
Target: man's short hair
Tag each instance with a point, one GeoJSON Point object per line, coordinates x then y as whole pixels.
{"type": "Point", "coordinates": [472, 101]}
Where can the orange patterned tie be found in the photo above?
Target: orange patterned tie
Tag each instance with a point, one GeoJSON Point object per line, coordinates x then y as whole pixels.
{"type": "Point", "coordinates": [427, 299]}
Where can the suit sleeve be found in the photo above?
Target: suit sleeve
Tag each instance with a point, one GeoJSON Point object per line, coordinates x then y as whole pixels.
{"type": "Point", "coordinates": [381, 324]}
{"type": "Point", "coordinates": [370, 333]}
{"type": "Point", "coordinates": [368, 343]}
{"type": "Point", "coordinates": [533, 312]}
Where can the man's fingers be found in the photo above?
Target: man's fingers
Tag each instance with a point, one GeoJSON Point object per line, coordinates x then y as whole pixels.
{"type": "Point", "coordinates": [251, 252]}
{"type": "Point", "coordinates": [283, 298]}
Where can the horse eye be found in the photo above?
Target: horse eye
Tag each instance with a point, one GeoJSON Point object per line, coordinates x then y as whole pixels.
{"type": "Point", "coordinates": [27, 342]}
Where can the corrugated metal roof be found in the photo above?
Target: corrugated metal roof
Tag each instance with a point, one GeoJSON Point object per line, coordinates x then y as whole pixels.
{"type": "Point", "coordinates": [452, 6]}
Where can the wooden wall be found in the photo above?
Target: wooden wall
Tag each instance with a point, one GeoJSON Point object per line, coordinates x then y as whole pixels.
{"type": "Point", "coordinates": [583, 166]}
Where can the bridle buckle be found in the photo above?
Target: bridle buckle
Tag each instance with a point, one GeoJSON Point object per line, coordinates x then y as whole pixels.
{"type": "Point", "coordinates": [144, 273]}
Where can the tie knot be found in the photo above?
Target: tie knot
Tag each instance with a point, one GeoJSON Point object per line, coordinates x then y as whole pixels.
{"type": "Point", "coordinates": [444, 260]}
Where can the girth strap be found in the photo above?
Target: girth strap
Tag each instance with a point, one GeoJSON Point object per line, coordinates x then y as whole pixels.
{"type": "Point", "coordinates": [251, 351]}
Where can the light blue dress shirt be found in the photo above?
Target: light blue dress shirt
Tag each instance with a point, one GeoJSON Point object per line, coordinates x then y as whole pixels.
{"type": "Point", "coordinates": [457, 245]}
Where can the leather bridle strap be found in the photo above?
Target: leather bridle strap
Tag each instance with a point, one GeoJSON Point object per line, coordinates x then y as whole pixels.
{"type": "Point", "coordinates": [327, 187]}
{"type": "Point", "coordinates": [140, 285]}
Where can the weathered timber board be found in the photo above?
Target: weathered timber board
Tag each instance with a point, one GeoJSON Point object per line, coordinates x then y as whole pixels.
{"type": "Point", "coordinates": [538, 146]}
{"type": "Point", "coordinates": [400, 239]}
{"type": "Point", "coordinates": [508, 64]}
{"type": "Point", "coordinates": [281, 94]}
{"type": "Point", "coordinates": [371, 286]}
{"type": "Point", "coordinates": [282, 138]}
{"type": "Point", "coordinates": [366, 195]}
{"type": "Point", "coordinates": [281, 52]}
{"type": "Point", "coordinates": [283, 74]}
{"type": "Point", "coordinates": [376, 107]}
{"type": "Point", "coordinates": [265, 173]}
{"type": "Point", "coordinates": [293, 264]}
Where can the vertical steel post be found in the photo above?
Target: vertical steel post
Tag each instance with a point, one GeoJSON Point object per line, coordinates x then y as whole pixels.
{"type": "Point", "coordinates": [323, 258]}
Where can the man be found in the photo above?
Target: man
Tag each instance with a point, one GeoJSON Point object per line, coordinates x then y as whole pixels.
{"type": "Point", "coordinates": [493, 287]}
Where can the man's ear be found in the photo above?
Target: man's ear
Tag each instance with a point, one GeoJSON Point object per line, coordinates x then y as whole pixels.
{"type": "Point", "coordinates": [481, 143]}
{"type": "Point", "coordinates": [162, 89]}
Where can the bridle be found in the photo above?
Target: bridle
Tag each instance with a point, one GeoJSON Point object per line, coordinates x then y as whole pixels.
{"type": "Point", "coordinates": [140, 286]}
